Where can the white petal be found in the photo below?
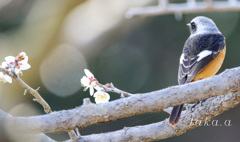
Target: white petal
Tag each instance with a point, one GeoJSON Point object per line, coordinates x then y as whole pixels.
{"type": "Point", "coordinates": [8, 78]}
{"type": "Point", "coordinates": [85, 81]}
{"type": "Point", "coordinates": [23, 54]}
{"type": "Point", "coordinates": [94, 83]}
{"type": "Point", "coordinates": [17, 71]}
{"type": "Point", "coordinates": [25, 60]}
{"type": "Point", "coordinates": [1, 75]}
{"type": "Point", "coordinates": [4, 64]}
{"type": "Point", "coordinates": [101, 97]}
{"type": "Point", "coordinates": [98, 93]}
{"type": "Point", "coordinates": [25, 66]}
{"type": "Point", "coordinates": [10, 59]}
{"type": "Point", "coordinates": [107, 97]}
{"type": "Point", "coordinates": [97, 100]}
{"type": "Point", "coordinates": [91, 90]}
{"type": "Point", "coordinates": [88, 73]}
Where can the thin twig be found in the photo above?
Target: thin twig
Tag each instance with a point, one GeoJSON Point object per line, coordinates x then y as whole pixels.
{"type": "Point", "coordinates": [25, 92]}
{"type": "Point", "coordinates": [77, 131]}
{"type": "Point", "coordinates": [111, 88]}
{"type": "Point", "coordinates": [35, 93]}
{"type": "Point", "coordinates": [37, 97]}
{"type": "Point", "coordinates": [73, 135]}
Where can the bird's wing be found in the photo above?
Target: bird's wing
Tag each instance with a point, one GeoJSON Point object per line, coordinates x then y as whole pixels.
{"type": "Point", "coordinates": [198, 52]}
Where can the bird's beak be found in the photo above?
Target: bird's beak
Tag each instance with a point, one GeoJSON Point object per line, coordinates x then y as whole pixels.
{"type": "Point", "coordinates": [188, 24]}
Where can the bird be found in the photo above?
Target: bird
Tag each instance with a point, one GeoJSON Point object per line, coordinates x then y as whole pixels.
{"type": "Point", "coordinates": [202, 56]}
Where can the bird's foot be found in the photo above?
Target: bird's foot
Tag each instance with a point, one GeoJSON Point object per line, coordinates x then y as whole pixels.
{"type": "Point", "coordinates": [198, 102]}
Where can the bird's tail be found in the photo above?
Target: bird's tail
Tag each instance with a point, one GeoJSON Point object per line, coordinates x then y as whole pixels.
{"type": "Point", "coordinates": [175, 115]}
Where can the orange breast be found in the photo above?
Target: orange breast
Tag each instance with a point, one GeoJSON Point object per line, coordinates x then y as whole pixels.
{"type": "Point", "coordinates": [212, 68]}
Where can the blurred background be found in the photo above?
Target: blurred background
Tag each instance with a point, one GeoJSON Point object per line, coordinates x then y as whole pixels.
{"type": "Point", "coordinates": [63, 37]}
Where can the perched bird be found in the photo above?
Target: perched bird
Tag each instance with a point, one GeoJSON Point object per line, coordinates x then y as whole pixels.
{"type": "Point", "coordinates": [202, 56]}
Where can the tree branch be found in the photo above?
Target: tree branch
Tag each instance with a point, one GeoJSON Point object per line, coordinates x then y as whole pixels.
{"type": "Point", "coordinates": [90, 114]}
{"type": "Point", "coordinates": [32, 91]}
{"type": "Point", "coordinates": [182, 8]}
{"type": "Point", "coordinates": [161, 130]}
{"type": "Point", "coordinates": [37, 96]}
{"type": "Point", "coordinates": [111, 88]}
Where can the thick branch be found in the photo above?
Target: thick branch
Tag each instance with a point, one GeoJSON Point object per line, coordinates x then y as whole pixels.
{"type": "Point", "coordinates": [86, 115]}
{"type": "Point", "coordinates": [161, 130]}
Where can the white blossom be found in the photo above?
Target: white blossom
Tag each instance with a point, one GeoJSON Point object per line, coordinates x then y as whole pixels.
{"type": "Point", "coordinates": [21, 62]}
{"type": "Point", "coordinates": [89, 81]}
{"type": "Point", "coordinates": [22, 56]}
{"type": "Point", "coordinates": [4, 77]}
{"type": "Point", "coordinates": [101, 97]}
{"type": "Point", "coordinates": [16, 64]}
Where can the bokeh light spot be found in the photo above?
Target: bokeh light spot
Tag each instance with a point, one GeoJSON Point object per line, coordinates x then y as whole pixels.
{"type": "Point", "coordinates": [62, 69]}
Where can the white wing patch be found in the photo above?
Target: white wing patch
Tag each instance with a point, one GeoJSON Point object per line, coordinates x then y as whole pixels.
{"type": "Point", "coordinates": [181, 59]}
{"type": "Point", "coordinates": [203, 54]}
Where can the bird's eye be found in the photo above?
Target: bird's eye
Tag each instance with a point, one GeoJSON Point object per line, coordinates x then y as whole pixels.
{"type": "Point", "coordinates": [193, 26]}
